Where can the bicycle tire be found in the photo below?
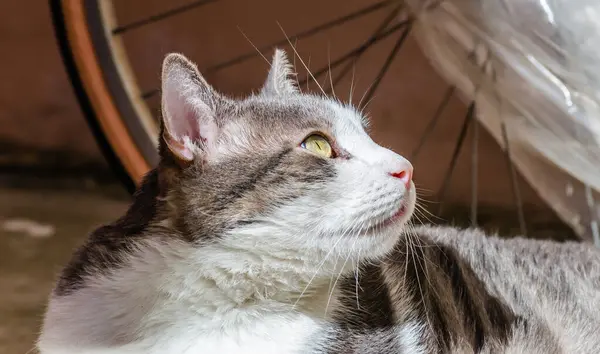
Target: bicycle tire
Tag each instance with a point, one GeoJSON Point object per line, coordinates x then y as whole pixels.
{"type": "Point", "coordinates": [107, 109]}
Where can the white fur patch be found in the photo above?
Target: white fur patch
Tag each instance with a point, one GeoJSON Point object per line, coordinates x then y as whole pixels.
{"type": "Point", "coordinates": [174, 299]}
{"type": "Point", "coordinates": [409, 335]}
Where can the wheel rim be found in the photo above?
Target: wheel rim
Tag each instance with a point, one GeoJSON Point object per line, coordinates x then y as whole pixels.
{"type": "Point", "coordinates": [92, 79]}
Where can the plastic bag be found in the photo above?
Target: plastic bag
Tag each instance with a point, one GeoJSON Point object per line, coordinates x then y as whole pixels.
{"type": "Point", "coordinates": [533, 69]}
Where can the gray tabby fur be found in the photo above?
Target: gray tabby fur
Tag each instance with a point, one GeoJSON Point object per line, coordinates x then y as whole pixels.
{"type": "Point", "coordinates": [240, 241]}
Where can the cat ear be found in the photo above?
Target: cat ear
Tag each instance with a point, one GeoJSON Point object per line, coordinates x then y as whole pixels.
{"type": "Point", "coordinates": [279, 81]}
{"type": "Point", "coordinates": [188, 109]}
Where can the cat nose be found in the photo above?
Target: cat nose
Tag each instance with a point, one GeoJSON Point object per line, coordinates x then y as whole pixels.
{"type": "Point", "coordinates": [404, 174]}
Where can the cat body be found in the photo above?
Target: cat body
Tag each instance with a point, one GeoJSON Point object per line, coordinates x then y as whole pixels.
{"type": "Point", "coordinates": [385, 308]}
{"type": "Point", "coordinates": [274, 224]}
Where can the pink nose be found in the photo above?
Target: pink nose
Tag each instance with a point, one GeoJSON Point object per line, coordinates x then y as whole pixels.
{"type": "Point", "coordinates": [404, 175]}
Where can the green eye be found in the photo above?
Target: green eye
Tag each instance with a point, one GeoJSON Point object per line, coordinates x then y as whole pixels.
{"type": "Point", "coordinates": [317, 144]}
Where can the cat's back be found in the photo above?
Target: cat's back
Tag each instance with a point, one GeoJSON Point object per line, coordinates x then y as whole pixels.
{"type": "Point", "coordinates": [553, 287]}
{"type": "Point", "coordinates": [562, 270]}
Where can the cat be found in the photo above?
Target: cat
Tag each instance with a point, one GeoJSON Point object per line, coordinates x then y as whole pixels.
{"type": "Point", "coordinates": [274, 224]}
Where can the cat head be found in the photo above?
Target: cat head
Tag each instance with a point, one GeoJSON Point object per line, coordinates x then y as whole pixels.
{"type": "Point", "coordinates": [280, 172]}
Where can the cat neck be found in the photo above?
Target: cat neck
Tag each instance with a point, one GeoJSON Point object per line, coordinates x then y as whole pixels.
{"type": "Point", "coordinates": [216, 278]}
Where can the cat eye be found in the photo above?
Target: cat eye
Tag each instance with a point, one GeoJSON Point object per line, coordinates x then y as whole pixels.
{"type": "Point", "coordinates": [318, 144]}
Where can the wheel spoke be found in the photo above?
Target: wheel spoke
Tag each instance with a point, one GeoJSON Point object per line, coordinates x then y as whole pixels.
{"type": "Point", "coordinates": [433, 122]}
{"type": "Point", "coordinates": [304, 34]}
{"type": "Point", "coordinates": [355, 51]}
{"type": "Point", "coordinates": [149, 94]}
{"type": "Point", "coordinates": [474, 172]}
{"type": "Point", "coordinates": [386, 66]}
{"type": "Point", "coordinates": [161, 16]}
{"type": "Point", "coordinates": [341, 20]}
{"type": "Point", "coordinates": [457, 149]}
{"type": "Point", "coordinates": [346, 69]}
{"type": "Point", "coordinates": [514, 181]}
{"type": "Point", "coordinates": [433, 5]}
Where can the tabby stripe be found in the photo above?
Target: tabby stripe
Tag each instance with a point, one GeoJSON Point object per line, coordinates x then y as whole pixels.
{"type": "Point", "coordinates": [239, 190]}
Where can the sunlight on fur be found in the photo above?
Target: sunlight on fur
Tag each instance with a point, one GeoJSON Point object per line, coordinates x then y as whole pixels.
{"type": "Point", "coordinates": [275, 224]}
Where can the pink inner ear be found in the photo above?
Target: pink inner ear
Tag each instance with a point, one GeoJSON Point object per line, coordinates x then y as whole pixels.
{"type": "Point", "coordinates": [187, 116]}
{"type": "Point", "coordinates": [180, 149]}
{"type": "Point", "coordinates": [190, 125]}
{"type": "Point", "coordinates": [196, 126]}
{"type": "Point", "coordinates": [182, 120]}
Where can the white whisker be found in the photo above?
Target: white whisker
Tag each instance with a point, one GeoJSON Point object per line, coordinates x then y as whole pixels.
{"type": "Point", "coordinates": [255, 47]}
{"type": "Point", "coordinates": [351, 94]}
{"type": "Point", "coordinates": [300, 58]}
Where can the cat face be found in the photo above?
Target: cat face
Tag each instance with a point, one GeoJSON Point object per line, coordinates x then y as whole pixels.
{"type": "Point", "coordinates": [281, 172]}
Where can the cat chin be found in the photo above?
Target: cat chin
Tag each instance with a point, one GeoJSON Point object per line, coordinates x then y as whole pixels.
{"type": "Point", "coordinates": [383, 239]}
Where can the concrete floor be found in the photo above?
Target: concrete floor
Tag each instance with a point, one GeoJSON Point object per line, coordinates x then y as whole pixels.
{"type": "Point", "coordinates": [39, 229]}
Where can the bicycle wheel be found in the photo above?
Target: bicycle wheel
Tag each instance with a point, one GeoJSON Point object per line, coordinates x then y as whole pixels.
{"type": "Point", "coordinates": [104, 87]}
{"type": "Point", "coordinates": [113, 52]}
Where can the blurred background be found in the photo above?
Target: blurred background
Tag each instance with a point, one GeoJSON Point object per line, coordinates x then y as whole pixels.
{"type": "Point", "coordinates": [56, 184]}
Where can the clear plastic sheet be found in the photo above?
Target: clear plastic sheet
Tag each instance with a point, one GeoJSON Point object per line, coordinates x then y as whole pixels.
{"type": "Point", "coordinates": [533, 69]}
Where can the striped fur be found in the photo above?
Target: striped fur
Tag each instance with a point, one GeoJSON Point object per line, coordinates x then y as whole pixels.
{"type": "Point", "coordinates": [240, 241]}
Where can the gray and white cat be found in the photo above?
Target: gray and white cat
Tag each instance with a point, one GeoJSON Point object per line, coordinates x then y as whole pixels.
{"type": "Point", "coordinates": [274, 224]}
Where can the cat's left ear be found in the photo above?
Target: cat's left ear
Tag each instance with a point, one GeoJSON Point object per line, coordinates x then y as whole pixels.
{"type": "Point", "coordinates": [189, 107]}
{"type": "Point", "coordinates": [279, 81]}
